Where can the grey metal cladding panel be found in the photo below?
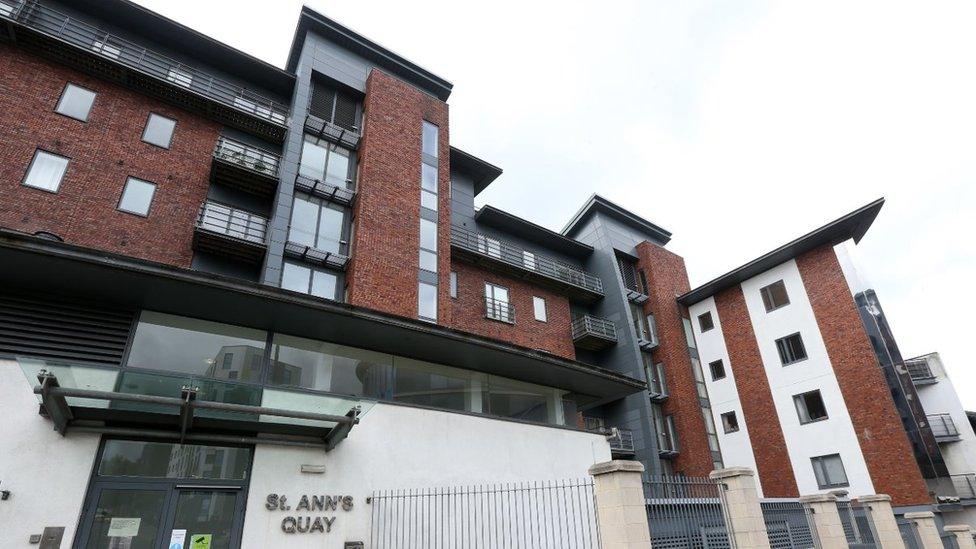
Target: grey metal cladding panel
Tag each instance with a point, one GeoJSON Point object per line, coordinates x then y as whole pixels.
{"type": "Point", "coordinates": [462, 199]}
{"type": "Point", "coordinates": [336, 62]}
{"type": "Point", "coordinates": [210, 263]}
{"type": "Point", "coordinates": [56, 328]}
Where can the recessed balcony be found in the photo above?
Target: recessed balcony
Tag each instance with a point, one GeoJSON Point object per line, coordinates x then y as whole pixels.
{"type": "Point", "coordinates": [594, 333]}
{"type": "Point", "coordinates": [920, 372]}
{"type": "Point", "coordinates": [232, 232]}
{"type": "Point", "coordinates": [78, 44]}
{"type": "Point", "coordinates": [501, 256]}
{"type": "Point", "coordinates": [943, 427]}
{"type": "Point", "coordinates": [244, 167]}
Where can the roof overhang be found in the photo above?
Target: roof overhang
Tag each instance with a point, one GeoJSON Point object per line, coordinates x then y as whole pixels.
{"type": "Point", "coordinates": [854, 225]}
{"type": "Point", "coordinates": [67, 269]}
{"type": "Point", "coordinates": [597, 203]}
{"type": "Point", "coordinates": [522, 228]}
{"type": "Point", "coordinates": [483, 173]}
{"type": "Point", "coordinates": [311, 20]}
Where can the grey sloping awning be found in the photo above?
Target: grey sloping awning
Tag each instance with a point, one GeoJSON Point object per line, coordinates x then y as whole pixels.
{"type": "Point", "coordinates": [72, 270]}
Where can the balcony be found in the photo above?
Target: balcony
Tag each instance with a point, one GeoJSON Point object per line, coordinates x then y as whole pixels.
{"type": "Point", "coordinates": [225, 230]}
{"type": "Point", "coordinates": [324, 129]}
{"type": "Point", "coordinates": [326, 191]}
{"type": "Point", "coordinates": [943, 427]}
{"type": "Point", "coordinates": [594, 333]}
{"type": "Point", "coordinates": [80, 45]}
{"type": "Point", "coordinates": [244, 167]}
{"type": "Point", "coordinates": [965, 485]}
{"type": "Point", "coordinates": [920, 372]}
{"type": "Point", "coordinates": [516, 261]}
{"type": "Point", "coordinates": [621, 440]}
{"type": "Point", "coordinates": [501, 311]}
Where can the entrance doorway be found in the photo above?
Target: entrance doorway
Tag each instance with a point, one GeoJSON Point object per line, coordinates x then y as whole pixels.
{"type": "Point", "coordinates": [159, 495]}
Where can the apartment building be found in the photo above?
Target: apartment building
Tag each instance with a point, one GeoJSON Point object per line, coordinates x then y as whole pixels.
{"type": "Point", "coordinates": [235, 285]}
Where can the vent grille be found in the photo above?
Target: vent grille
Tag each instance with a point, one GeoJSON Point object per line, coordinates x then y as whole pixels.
{"type": "Point", "coordinates": [323, 100]}
{"type": "Point", "coordinates": [333, 106]}
{"type": "Point", "coordinates": [345, 112]}
{"type": "Point", "coordinates": [54, 328]}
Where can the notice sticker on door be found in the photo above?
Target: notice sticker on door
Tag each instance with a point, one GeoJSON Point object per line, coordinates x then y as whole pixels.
{"type": "Point", "coordinates": [200, 541]}
{"type": "Point", "coordinates": [123, 527]}
{"type": "Point", "coordinates": [177, 539]}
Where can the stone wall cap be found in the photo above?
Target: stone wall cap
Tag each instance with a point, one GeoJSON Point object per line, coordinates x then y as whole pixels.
{"type": "Point", "coordinates": [872, 498]}
{"type": "Point", "coordinates": [616, 465]}
{"type": "Point", "coordinates": [920, 515]}
{"type": "Point", "coordinates": [731, 472]}
{"type": "Point", "coordinates": [956, 528]}
{"type": "Point", "coordinates": [818, 498]}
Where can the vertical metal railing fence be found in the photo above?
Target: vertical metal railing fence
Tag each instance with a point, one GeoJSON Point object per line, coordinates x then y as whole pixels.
{"type": "Point", "coordinates": [909, 534]}
{"type": "Point", "coordinates": [858, 528]}
{"type": "Point", "coordinates": [788, 524]}
{"type": "Point", "coordinates": [556, 514]}
{"type": "Point", "coordinates": [686, 512]}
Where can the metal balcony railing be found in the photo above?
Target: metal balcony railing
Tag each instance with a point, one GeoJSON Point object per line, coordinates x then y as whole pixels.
{"type": "Point", "coordinates": [587, 325]}
{"type": "Point", "coordinates": [919, 370]}
{"type": "Point", "coordinates": [327, 191]}
{"type": "Point", "coordinates": [526, 261]}
{"type": "Point", "coordinates": [943, 426]}
{"type": "Point", "coordinates": [667, 445]}
{"type": "Point", "coordinates": [232, 222]}
{"type": "Point", "coordinates": [965, 485]}
{"type": "Point", "coordinates": [499, 310]}
{"type": "Point", "coordinates": [621, 441]}
{"type": "Point", "coordinates": [51, 22]}
{"type": "Point", "coordinates": [245, 156]}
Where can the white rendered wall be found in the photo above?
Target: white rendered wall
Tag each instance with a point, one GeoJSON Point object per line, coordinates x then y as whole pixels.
{"type": "Point", "coordinates": [401, 447]}
{"type": "Point", "coordinates": [47, 474]}
{"type": "Point", "coordinates": [723, 394]}
{"type": "Point", "coordinates": [941, 398]}
{"type": "Point", "coordinates": [834, 435]}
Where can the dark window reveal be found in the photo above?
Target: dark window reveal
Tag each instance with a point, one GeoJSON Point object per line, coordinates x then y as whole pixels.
{"type": "Point", "coordinates": [705, 322]}
{"type": "Point", "coordinates": [718, 370]}
{"type": "Point", "coordinates": [810, 407]}
{"type": "Point", "coordinates": [774, 296]}
{"type": "Point", "coordinates": [729, 422]}
{"type": "Point", "coordinates": [791, 349]}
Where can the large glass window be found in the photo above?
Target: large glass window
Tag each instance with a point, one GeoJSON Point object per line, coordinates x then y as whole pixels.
{"type": "Point", "coordinates": [317, 224]}
{"type": "Point", "coordinates": [131, 458]}
{"type": "Point", "coordinates": [76, 102]}
{"type": "Point", "coordinates": [311, 364]}
{"type": "Point", "coordinates": [46, 171]}
{"type": "Point", "coordinates": [829, 471]}
{"type": "Point", "coordinates": [428, 245]}
{"type": "Point", "coordinates": [300, 278]}
{"type": "Point", "coordinates": [423, 383]}
{"type": "Point", "coordinates": [325, 161]}
{"type": "Point", "coordinates": [197, 347]}
{"type": "Point", "coordinates": [509, 398]}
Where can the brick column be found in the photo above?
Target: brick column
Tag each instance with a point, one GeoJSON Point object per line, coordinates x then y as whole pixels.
{"type": "Point", "coordinates": [620, 505]}
{"type": "Point", "coordinates": [882, 519]}
{"type": "Point", "coordinates": [964, 536]}
{"type": "Point", "coordinates": [826, 520]}
{"type": "Point", "coordinates": [746, 524]}
{"type": "Point", "coordinates": [928, 532]}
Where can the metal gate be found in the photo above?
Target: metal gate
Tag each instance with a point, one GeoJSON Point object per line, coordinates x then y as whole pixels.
{"type": "Point", "coordinates": [686, 513]}
{"type": "Point", "coordinates": [858, 527]}
{"type": "Point", "coordinates": [909, 534]}
{"type": "Point", "coordinates": [537, 515]}
{"type": "Point", "coordinates": [787, 524]}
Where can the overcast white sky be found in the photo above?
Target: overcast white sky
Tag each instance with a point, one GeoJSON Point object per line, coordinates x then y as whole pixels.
{"type": "Point", "coordinates": [737, 125]}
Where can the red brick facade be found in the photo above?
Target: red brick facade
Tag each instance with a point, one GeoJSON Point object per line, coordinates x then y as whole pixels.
{"type": "Point", "coordinates": [884, 444]}
{"type": "Point", "coordinates": [382, 274]}
{"type": "Point", "coordinates": [103, 152]}
{"type": "Point", "coordinates": [768, 443]}
{"type": "Point", "coordinates": [667, 279]}
{"type": "Point", "coordinates": [554, 335]}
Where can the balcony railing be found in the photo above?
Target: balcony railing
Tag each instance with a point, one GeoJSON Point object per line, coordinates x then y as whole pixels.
{"type": "Point", "coordinates": [245, 156]}
{"type": "Point", "coordinates": [325, 129]}
{"type": "Point", "coordinates": [965, 485]}
{"type": "Point", "coordinates": [232, 222]}
{"type": "Point", "coordinates": [943, 427]}
{"type": "Point", "coordinates": [919, 371]}
{"type": "Point", "coordinates": [621, 441]}
{"type": "Point", "coordinates": [526, 262]}
{"type": "Point", "coordinates": [327, 191]}
{"type": "Point", "coordinates": [172, 73]}
{"type": "Point", "coordinates": [594, 333]}
{"type": "Point", "coordinates": [499, 310]}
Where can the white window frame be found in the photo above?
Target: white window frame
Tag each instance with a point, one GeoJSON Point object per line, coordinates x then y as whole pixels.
{"type": "Point", "coordinates": [172, 133]}
{"type": "Point", "coordinates": [72, 86]}
{"type": "Point", "coordinates": [539, 309]}
{"type": "Point", "coordinates": [125, 189]}
{"type": "Point", "coordinates": [30, 168]}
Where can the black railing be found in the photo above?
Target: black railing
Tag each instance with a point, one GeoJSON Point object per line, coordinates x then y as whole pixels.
{"type": "Point", "coordinates": [248, 157]}
{"type": "Point", "coordinates": [232, 222]}
{"type": "Point", "coordinates": [587, 325]}
{"type": "Point", "coordinates": [965, 485]}
{"type": "Point", "coordinates": [943, 426]}
{"type": "Point", "coordinates": [53, 23]}
{"type": "Point", "coordinates": [919, 370]}
{"type": "Point", "coordinates": [621, 441]}
{"type": "Point", "coordinates": [516, 256]}
{"type": "Point", "coordinates": [499, 310]}
{"type": "Point", "coordinates": [320, 127]}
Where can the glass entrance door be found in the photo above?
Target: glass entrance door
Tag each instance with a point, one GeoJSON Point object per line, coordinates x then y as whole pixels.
{"type": "Point", "coordinates": [127, 517]}
{"type": "Point", "coordinates": [204, 517]}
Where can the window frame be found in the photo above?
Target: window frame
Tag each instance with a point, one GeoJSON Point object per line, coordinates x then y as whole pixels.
{"type": "Point", "coordinates": [91, 106]}
{"type": "Point", "coordinates": [711, 322]}
{"type": "Point", "coordinates": [800, 398]}
{"type": "Point", "coordinates": [311, 279]}
{"type": "Point", "coordinates": [172, 133]}
{"type": "Point", "coordinates": [125, 187]}
{"type": "Point", "coordinates": [767, 296]}
{"type": "Point", "coordinates": [321, 204]}
{"type": "Point", "coordinates": [420, 315]}
{"type": "Point", "coordinates": [711, 369]}
{"type": "Point", "coordinates": [349, 181]}
{"type": "Point", "coordinates": [780, 349]}
{"type": "Point", "coordinates": [535, 308]}
{"type": "Point", "coordinates": [30, 167]}
{"type": "Point", "coordinates": [453, 281]}
{"type": "Point", "coordinates": [819, 461]}
{"type": "Point", "coordinates": [730, 426]}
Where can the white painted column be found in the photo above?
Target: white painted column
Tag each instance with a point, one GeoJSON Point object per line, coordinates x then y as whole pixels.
{"type": "Point", "coordinates": [928, 532]}
{"type": "Point", "coordinates": [882, 518]}
{"type": "Point", "coordinates": [746, 526]}
{"type": "Point", "coordinates": [964, 536]}
{"type": "Point", "coordinates": [620, 505]}
{"type": "Point", "coordinates": [826, 520]}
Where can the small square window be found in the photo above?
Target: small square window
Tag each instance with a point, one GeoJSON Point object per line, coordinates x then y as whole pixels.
{"type": "Point", "coordinates": [137, 196]}
{"type": "Point", "coordinates": [791, 349]}
{"type": "Point", "coordinates": [76, 102]}
{"type": "Point", "coordinates": [46, 171]}
{"type": "Point", "coordinates": [539, 307]}
{"type": "Point", "coordinates": [454, 284]}
{"type": "Point", "coordinates": [774, 296]}
{"type": "Point", "coordinates": [729, 422]}
{"type": "Point", "coordinates": [829, 471]}
{"type": "Point", "coordinates": [718, 370]}
{"type": "Point", "coordinates": [810, 407]}
{"type": "Point", "coordinates": [159, 131]}
{"type": "Point", "coordinates": [705, 322]}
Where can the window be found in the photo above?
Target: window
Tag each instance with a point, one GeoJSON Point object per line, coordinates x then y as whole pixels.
{"type": "Point", "coordinates": [652, 329]}
{"type": "Point", "coordinates": [299, 278]}
{"type": "Point", "coordinates": [324, 161]}
{"type": "Point", "coordinates": [430, 139]}
{"type": "Point", "coordinates": [810, 407]}
{"type": "Point", "coordinates": [428, 186]}
{"type": "Point", "coordinates": [159, 131]}
{"type": "Point", "coordinates": [317, 224]}
{"type": "Point", "coordinates": [718, 370]}
{"type": "Point", "coordinates": [107, 49]}
{"type": "Point", "coordinates": [539, 307]}
{"type": "Point", "coordinates": [729, 422]}
{"type": "Point", "coordinates": [46, 171]}
{"type": "Point", "coordinates": [137, 196]}
{"type": "Point", "coordinates": [640, 329]}
{"type": "Point", "coordinates": [454, 284]}
{"type": "Point", "coordinates": [76, 102]}
{"type": "Point", "coordinates": [705, 322]}
{"type": "Point", "coordinates": [322, 366]}
{"type": "Point", "coordinates": [497, 306]}
{"type": "Point", "coordinates": [791, 349]}
{"type": "Point", "coordinates": [334, 105]}
{"type": "Point", "coordinates": [179, 76]}
{"type": "Point", "coordinates": [656, 384]}
{"type": "Point", "coordinates": [427, 302]}
{"type": "Point", "coordinates": [130, 458]}
{"type": "Point", "coordinates": [829, 471]}
{"type": "Point", "coordinates": [774, 296]}
{"type": "Point", "coordinates": [528, 260]}
{"type": "Point", "coordinates": [428, 245]}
